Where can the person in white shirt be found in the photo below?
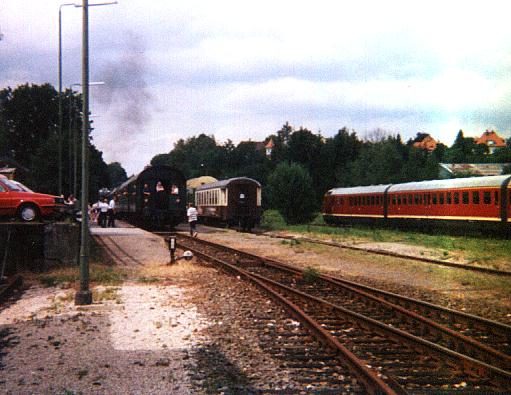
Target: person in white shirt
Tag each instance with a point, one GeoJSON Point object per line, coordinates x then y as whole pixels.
{"type": "Point", "coordinates": [103, 210]}
{"type": "Point", "coordinates": [192, 219]}
{"type": "Point", "coordinates": [111, 213]}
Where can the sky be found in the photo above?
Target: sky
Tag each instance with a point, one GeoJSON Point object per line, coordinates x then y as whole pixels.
{"type": "Point", "coordinates": [240, 70]}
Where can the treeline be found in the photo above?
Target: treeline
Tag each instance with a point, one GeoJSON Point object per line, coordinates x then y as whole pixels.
{"type": "Point", "coordinates": [344, 159]}
{"type": "Point", "coordinates": [29, 140]}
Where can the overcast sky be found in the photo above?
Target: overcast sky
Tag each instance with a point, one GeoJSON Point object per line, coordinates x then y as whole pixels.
{"type": "Point", "coordinates": [239, 70]}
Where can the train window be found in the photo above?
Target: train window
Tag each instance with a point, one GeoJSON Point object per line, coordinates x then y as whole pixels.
{"type": "Point", "coordinates": [475, 197]}
{"type": "Point", "coordinates": [496, 197]}
{"type": "Point", "coordinates": [350, 200]}
{"type": "Point", "coordinates": [359, 200]}
{"type": "Point", "coordinates": [435, 198]}
{"type": "Point", "coordinates": [410, 200]}
{"type": "Point", "coordinates": [456, 198]}
{"type": "Point", "coordinates": [509, 200]}
{"type": "Point", "coordinates": [394, 200]}
{"type": "Point", "coordinates": [449, 200]}
{"type": "Point", "coordinates": [464, 197]}
{"type": "Point", "coordinates": [372, 200]}
{"type": "Point", "coordinates": [441, 196]}
{"type": "Point", "coordinates": [399, 199]}
{"type": "Point", "coordinates": [416, 199]}
{"type": "Point", "coordinates": [486, 197]}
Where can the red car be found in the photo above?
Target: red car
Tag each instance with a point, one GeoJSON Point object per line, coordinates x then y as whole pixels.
{"type": "Point", "coordinates": [18, 201]}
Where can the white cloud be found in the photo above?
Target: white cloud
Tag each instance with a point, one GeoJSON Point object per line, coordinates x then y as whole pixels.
{"type": "Point", "coordinates": [240, 70]}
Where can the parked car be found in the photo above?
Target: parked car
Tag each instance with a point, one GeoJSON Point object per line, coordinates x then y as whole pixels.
{"type": "Point", "coordinates": [18, 201]}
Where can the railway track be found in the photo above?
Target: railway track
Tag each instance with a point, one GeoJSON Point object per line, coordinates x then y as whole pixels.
{"type": "Point", "coordinates": [409, 345]}
{"type": "Point", "coordinates": [397, 255]}
{"type": "Point", "coordinates": [8, 286]}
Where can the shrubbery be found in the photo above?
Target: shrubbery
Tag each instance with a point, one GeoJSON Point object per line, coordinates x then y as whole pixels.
{"type": "Point", "coordinates": [291, 192]}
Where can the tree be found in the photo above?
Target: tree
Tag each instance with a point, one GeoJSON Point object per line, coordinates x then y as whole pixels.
{"type": "Point", "coordinates": [465, 150]}
{"type": "Point", "coordinates": [29, 135]}
{"type": "Point", "coordinates": [116, 174]}
{"type": "Point", "coordinates": [291, 192]}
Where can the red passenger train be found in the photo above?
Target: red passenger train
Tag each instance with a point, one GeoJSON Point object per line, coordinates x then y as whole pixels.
{"type": "Point", "coordinates": [482, 203]}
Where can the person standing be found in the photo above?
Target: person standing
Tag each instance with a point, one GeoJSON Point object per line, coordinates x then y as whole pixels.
{"type": "Point", "coordinates": [103, 210]}
{"type": "Point", "coordinates": [111, 213]}
{"type": "Point", "coordinates": [192, 219]}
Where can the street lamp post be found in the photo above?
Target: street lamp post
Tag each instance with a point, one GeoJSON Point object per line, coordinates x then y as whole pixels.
{"type": "Point", "coordinates": [84, 295]}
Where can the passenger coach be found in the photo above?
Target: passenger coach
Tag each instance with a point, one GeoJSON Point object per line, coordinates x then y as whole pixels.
{"type": "Point", "coordinates": [235, 202]}
{"type": "Point", "coordinates": [154, 198]}
{"type": "Point", "coordinates": [483, 203]}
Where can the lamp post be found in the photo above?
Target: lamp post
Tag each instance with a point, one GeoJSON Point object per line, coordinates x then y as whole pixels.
{"type": "Point", "coordinates": [84, 295]}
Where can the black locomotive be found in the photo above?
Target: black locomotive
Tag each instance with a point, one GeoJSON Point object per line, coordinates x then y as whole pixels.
{"type": "Point", "coordinates": [153, 199]}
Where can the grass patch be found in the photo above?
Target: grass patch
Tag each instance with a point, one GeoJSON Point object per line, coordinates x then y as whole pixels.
{"type": "Point", "coordinates": [481, 250]}
{"type": "Point", "coordinates": [310, 275]}
{"type": "Point", "coordinates": [105, 293]}
{"type": "Point", "coordinates": [68, 276]}
{"type": "Point", "coordinates": [148, 280]}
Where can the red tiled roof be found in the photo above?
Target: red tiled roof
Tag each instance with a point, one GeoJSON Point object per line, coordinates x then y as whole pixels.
{"type": "Point", "coordinates": [427, 143]}
{"type": "Point", "coordinates": [491, 138]}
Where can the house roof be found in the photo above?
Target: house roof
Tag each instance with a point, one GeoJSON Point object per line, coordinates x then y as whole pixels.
{"type": "Point", "coordinates": [491, 138]}
{"type": "Point", "coordinates": [428, 143]}
{"type": "Point", "coordinates": [270, 144]}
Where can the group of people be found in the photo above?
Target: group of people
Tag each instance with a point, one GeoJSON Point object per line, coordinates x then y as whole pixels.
{"type": "Point", "coordinates": [103, 212]}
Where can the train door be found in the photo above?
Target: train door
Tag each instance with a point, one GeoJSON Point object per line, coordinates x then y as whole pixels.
{"type": "Point", "coordinates": [241, 200]}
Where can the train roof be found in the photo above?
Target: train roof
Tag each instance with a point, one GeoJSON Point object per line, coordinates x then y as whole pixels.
{"type": "Point", "coordinates": [471, 182]}
{"type": "Point", "coordinates": [359, 190]}
{"type": "Point", "coordinates": [226, 183]}
{"type": "Point", "coordinates": [153, 173]}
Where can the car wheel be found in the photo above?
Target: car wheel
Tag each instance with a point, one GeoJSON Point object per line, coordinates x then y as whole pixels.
{"type": "Point", "coordinates": [28, 213]}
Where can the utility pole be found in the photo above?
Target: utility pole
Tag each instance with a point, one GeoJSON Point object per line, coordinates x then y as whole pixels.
{"type": "Point", "coordinates": [84, 295]}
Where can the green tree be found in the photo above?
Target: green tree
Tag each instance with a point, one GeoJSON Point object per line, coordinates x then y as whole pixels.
{"type": "Point", "coordinates": [195, 156]}
{"type": "Point", "coordinates": [465, 150]}
{"type": "Point", "coordinates": [29, 135]}
{"type": "Point", "coordinates": [116, 174]}
{"type": "Point", "coordinates": [290, 191]}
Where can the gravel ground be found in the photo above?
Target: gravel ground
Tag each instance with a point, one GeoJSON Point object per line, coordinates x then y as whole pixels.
{"type": "Point", "coordinates": [185, 329]}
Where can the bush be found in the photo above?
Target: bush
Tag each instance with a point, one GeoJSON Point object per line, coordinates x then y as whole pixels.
{"type": "Point", "coordinates": [291, 192]}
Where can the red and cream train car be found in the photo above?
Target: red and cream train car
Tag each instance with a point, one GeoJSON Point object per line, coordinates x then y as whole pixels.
{"type": "Point", "coordinates": [478, 202]}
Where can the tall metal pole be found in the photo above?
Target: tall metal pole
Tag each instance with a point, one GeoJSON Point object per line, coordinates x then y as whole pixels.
{"type": "Point", "coordinates": [84, 296]}
{"type": "Point", "coordinates": [60, 103]}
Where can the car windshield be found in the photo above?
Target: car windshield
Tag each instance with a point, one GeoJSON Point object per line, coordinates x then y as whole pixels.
{"type": "Point", "coordinates": [23, 186]}
{"type": "Point", "coordinates": [13, 186]}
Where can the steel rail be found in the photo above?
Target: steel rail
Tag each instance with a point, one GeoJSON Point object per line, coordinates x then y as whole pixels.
{"type": "Point", "coordinates": [493, 327]}
{"type": "Point", "coordinates": [457, 361]}
{"type": "Point", "coordinates": [10, 285]}
{"type": "Point", "coordinates": [373, 383]}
